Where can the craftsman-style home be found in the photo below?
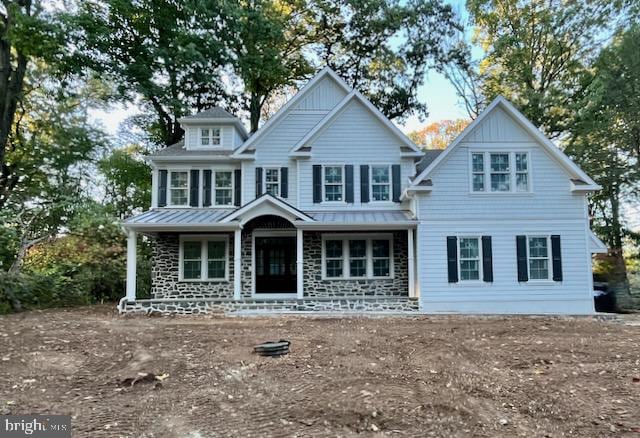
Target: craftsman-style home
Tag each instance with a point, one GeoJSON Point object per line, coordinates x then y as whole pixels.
{"type": "Point", "coordinates": [330, 207]}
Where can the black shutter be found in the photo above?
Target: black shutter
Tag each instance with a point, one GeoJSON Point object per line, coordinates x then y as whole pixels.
{"type": "Point", "coordinates": [521, 251]}
{"type": "Point", "coordinates": [395, 173]}
{"type": "Point", "coordinates": [206, 188]}
{"type": "Point", "coordinates": [487, 259]}
{"type": "Point", "coordinates": [364, 183]}
{"type": "Point", "coordinates": [317, 183]}
{"type": "Point", "coordinates": [195, 189]}
{"type": "Point", "coordinates": [557, 258]}
{"type": "Point", "coordinates": [284, 182]}
{"type": "Point", "coordinates": [258, 181]}
{"type": "Point", "coordinates": [162, 188]}
{"type": "Point", "coordinates": [348, 177]}
{"type": "Point", "coordinates": [237, 187]}
{"type": "Point", "coordinates": [452, 258]}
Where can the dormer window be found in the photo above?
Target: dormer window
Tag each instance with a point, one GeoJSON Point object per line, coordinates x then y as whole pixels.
{"type": "Point", "coordinates": [210, 137]}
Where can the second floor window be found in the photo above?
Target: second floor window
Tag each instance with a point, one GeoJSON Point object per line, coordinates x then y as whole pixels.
{"type": "Point", "coordinates": [179, 188]}
{"type": "Point", "coordinates": [223, 188]}
{"type": "Point", "coordinates": [380, 183]}
{"type": "Point", "coordinates": [500, 172]}
{"type": "Point", "coordinates": [272, 181]}
{"type": "Point", "coordinates": [333, 183]}
{"type": "Point", "coordinates": [210, 137]}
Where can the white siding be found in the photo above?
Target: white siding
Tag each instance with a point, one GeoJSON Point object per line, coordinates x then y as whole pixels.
{"type": "Point", "coordinates": [227, 132]}
{"type": "Point", "coordinates": [323, 96]}
{"type": "Point", "coordinates": [505, 294]}
{"type": "Point", "coordinates": [498, 127]}
{"type": "Point", "coordinates": [354, 137]}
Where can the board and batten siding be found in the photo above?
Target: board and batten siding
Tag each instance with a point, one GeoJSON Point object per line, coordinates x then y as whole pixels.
{"type": "Point", "coordinates": [451, 209]}
{"type": "Point", "coordinates": [354, 137]}
{"type": "Point", "coordinates": [322, 97]}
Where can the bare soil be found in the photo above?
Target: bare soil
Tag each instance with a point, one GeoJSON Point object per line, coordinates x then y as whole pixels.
{"type": "Point", "coordinates": [373, 376]}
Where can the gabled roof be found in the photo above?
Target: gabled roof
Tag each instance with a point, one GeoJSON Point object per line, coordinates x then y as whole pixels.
{"type": "Point", "coordinates": [331, 115]}
{"type": "Point", "coordinates": [429, 157]}
{"type": "Point", "coordinates": [596, 245]}
{"type": "Point", "coordinates": [571, 167]}
{"type": "Point", "coordinates": [297, 98]}
{"type": "Point", "coordinates": [215, 115]}
{"type": "Point", "coordinates": [277, 205]}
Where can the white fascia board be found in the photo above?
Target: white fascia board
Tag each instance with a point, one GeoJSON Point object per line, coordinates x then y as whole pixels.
{"type": "Point", "coordinates": [280, 114]}
{"type": "Point", "coordinates": [169, 158]}
{"type": "Point", "coordinates": [585, 188]}
{"type": "Point", "coordinates": [596, 245]}
{"type": "Point", "coordinates": [224, 121]}
{"type": "Point", "coordinates": [180, 227]}
{"type": "Point", "coordinates": [360, 226]}
{"type": "Point", "coordinates": [571, 167]}
{"type": "Point", "coordinates": [266, 198]}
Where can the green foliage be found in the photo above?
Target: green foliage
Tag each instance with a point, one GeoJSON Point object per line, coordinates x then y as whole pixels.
{"type": "Point", "coordinates": [128, 181]}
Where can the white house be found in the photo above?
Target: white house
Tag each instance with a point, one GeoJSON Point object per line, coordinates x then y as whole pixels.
{"type": "Point", "coordinates": [329, 206]}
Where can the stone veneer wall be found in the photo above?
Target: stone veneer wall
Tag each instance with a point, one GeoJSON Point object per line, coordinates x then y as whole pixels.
{"type": "Point", "coordinates": [316, 287]}
{"type": "Point", "coordinates": [165, 281]}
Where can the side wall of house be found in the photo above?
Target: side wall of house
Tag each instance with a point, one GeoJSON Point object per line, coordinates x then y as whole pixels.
{"type": "Point", "coordinates": [550, 209]}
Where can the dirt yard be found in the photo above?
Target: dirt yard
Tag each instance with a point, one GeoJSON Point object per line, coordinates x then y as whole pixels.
{"type": "Point", "coordinates": [396, 376]}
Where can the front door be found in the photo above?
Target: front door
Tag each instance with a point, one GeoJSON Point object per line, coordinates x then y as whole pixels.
{"type": "Point", "coordinates": [275, 265]}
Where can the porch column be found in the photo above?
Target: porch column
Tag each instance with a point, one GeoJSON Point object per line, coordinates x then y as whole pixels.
{"type": "Point", "coordinates": [299, 258]}
{"type": "Point", "coordinates": [237, 261]}
{"type": "Point", "coordinates": [411, 265]}
{"type": "Point", "coordinates": [131, 265]}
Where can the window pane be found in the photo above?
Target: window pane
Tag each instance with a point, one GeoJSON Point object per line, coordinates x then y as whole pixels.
{"type": "Point", "coordinates": [380, 174]}
{"type": "Point", "coordinates": [223, 179]}
{"type": "Point", "coordinates": [499, 182]}
{"type": "Point", "coordinates": [333, 193]}
{"type": "Point", "coordinates": [216, 249]}
{"type": "Point", "coordinates": [334, 268]}
{"type": "Point", "coordinates": [499, 162]}
{"type": "Point", "coordinates": [192, 250]}
{"type": "Point", "coordinates": [522, 182]}
{"type": "Point", "coordinates": [216, 268]}
{"type": "Point", "coordinates": [381, 268]}
{"type": "Point", "coordinates": [179, 179]}
{"type": "Point", "coordinates": [521, 163]}
{"type": "Point", "coordinates": [539, 269]}
{"type": "Point", "coordinates": [478, 183]}
{"type": "Point", "coordinates": [273, 189]}
{"type": "Point", "coordinates": [358, 268]}
{"type": "Point", "coordinates": [205, 132]}
{"type": "Point", "coordinates": [380, 193]}
{"type": "Point", "coordinates": [333, 174]}
{"type": "Point", "coordinates": [223, 197]}
{"type": "Point", "coordinates": [191, 269]}
{"type": "Point", "coordinates": [333, 248]}
{"type": "Point", "coordinates": [477, 162]}
{"type": "Point", "coordinates": [357, 248]}
{"type": "Point", "coordinates": [179, 196]}
{"type": "Point", "coordinates": [271, 175]}
{"type": "Point", "coordinates": [469, 248]}
{"type": "Point", "coordinates": [538, 247]}
{"type": "Point", "coordinates": [380, 248]}
{"type": "Point", "coordinates": [470, 270]}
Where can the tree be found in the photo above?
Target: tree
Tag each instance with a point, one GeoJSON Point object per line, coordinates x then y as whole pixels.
{"type": "Point", "coordinates": [606, 141]}
{"type": "Point", "coordinates": [438, 135]}
{"type": "Point", "coordinates": [127, 181]}
{"type": "Point", "coordinates": [170, 56]}
{"type": "Point", "coordinates": [385, 47]}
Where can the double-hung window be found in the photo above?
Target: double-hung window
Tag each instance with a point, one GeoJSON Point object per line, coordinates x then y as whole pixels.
{"type": "Point", "coordinates": [223, 187]}
{"type": "Point", "coordinates": [469, 256]}
{"type": "Point", "coordinates": [203, 258]}
{"type": "Point", "coordinates": [500, 172]}
{"type": "Point", "coordinates": [357, 257]}
{"type": "Point", "coordinates": [333, 183]}
{"type": "Point", "coordinates": [272, 181]}
{"type": "Point", "coordinates": [380, 183]}
{"type": "Point", "coordinates": [210, 137]}
{"type": "Point", "coordinates": [178, 188]}
{"type": "Point", "coordinates": [538, 257]}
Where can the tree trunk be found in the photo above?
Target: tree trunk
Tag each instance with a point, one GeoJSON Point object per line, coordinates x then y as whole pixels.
{"type": "Point", "coordinates": [618, 281]}
{"type": "Point", "coordinates": [255, 108]}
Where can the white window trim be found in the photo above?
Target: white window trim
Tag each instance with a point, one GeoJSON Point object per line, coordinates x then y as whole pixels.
{"type": "Point", "coordinates": [344, 185]}
{"type": "Point", "coordinates": [549, 259]}
{"type": "Point", "coordinates": [204, 265]}
{"type": "Point", "coordinates": [480, 264]}
{"type": "Point", "coordinates": [279, 181]}
{"type": "Point", "coordinates": [211, 137]}
{"type": "Point", "coordinates": [170, 187]}
{"type": "Point", "coordinates": [214, 188]}
{"type": "Point", "coordinates": [346, 272]}
{"type": "Point", "coordinates": [389, 184]}
{"type": "Point", "coordinates": [512, 172]}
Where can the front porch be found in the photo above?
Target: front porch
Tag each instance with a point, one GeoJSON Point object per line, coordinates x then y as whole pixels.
{"type": "Point", "coordinates": [267, 259]}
